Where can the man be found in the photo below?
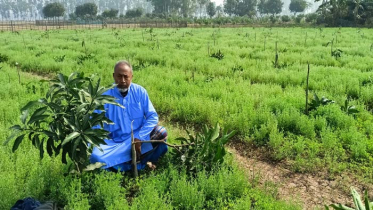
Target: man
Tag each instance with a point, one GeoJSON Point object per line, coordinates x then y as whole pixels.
{"type": "Point", "coordinates": [137, 108]}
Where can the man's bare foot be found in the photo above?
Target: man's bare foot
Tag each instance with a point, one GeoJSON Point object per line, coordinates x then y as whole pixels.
{"type": "Point", "coordinates": [151, 166]}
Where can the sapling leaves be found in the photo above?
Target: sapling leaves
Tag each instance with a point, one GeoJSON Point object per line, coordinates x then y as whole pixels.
{"type": "Point", "coordinates": [71, 116]}
{"type": "Point", "coordinates": [205, 150]}
{"type": "Point", "coordinates": [17, 142]}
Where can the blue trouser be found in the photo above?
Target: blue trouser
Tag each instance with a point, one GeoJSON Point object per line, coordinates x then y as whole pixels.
{"type": "Point", "coordinates": [153, 155]}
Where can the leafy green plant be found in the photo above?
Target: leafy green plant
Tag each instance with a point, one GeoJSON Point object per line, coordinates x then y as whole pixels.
{"type": "Point", "coordinates": [337, 53]}
{"type": "Point", "coordinates": [219, 55]}
{"type": "Point", "coordinates": [316, 102]}
{"type": "Point", "coordinates": [357, 201]}
{"type": "Point", "coordinates": [60, 58]}
{"type": "Point", "coordinates": [350, 110]}
{"type": "Point", "coordinates": [3, 58]}
{"type": "Point", "coordinates": [64, 121]}
{"type": "Point", "coordinates": [90, 56]}
{"type": "Point", "coordinates": [204, 150]}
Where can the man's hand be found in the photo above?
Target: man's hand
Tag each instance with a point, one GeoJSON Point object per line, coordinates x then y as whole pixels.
{"type": "Point", "coordinates": [138, 149]}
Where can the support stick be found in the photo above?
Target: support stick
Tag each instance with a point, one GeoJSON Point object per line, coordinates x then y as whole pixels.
{"type": "Point", "coordinates": [134, 164]}
{"type": "Point", "coordinates": [308, 75]}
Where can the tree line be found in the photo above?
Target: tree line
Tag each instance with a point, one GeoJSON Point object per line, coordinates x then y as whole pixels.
{"type": "Point", "coordinates": [330, 12]}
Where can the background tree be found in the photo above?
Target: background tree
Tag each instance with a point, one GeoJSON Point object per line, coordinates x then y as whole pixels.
{"type": "Point", "coordinates": [53, 10]}
{"type": "Point", "coordinates": [211, 9]}
{"type": "Point", "coordinates": [134, 13]}
{"type": "Point", "coordinates": [246, 7]}
{"type": "Point", "coordinates": [270, 7]}
{"type": "Point", "coordinates": [112, 13]}
{"type": "Point", "coordinates": [240, 7]}
{"type": "Point", "coordinates": [202, 4]}
{"type": "Point", "coordinates": [86, 10]}
{"type": "Point", "coordinates": [298, 6]}
{"type": "Point", "coordinates": [230, 7]}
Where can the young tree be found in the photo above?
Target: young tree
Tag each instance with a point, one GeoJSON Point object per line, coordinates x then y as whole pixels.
{"type": "Point", "coordinates": [211, 9]}
{"type": "Point", "coordinates": [87, 9]}
{"type": "Point", "coordinates": [53, 10]}
{"type": "Point", "coordinates": [298, 6]}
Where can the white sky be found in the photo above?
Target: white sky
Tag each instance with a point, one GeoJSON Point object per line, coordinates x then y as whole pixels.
{"type": "Point", "coordinates": [312, 8]}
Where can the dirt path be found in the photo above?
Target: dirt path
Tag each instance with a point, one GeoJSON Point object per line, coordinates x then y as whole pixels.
{"type": "Point", "coordinates": [312, 191]}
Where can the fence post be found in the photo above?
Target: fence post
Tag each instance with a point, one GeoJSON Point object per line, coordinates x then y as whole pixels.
{"type": "Point", "coordinates": [11, 25]}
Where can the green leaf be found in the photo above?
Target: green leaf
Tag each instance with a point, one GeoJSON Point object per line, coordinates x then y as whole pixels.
{"type": "Point", "coordinates": [24, 116]}
{"type": "Point", "coordinates": [14, 133]}
{"type": "Point", "coordinates": [37, 118]}
{"type": "Point", "coordinates": [50, 146]}
{"type": "Point", "coordinates": [94, 166]}
{"type": "Point", "coordinates": [70, 137]}
{"type": "Point", "coordinates": [357, 200]}
{"type": "Point", "coordinates": [41, 149]}
{"type": "Point", "coordinates": [30, 104]}
{"type": "Point", "coordinates": [64, 152]}
{"type": "Point", "coordinates": [61, 77]}
{"type": "Point", "coordinates": [15, 127]}
{"type": "Point", "coordinates": [17, 142]}
{"type": "Point", "coordinates": [366, 201]}
{"type": "Point", "coordinates": [36, 141]}
{"type": "Point", "coordinates": [215, 132]}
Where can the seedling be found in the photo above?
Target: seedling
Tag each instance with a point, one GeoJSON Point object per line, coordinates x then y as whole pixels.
{"type": "Point", "coordinates": [219, 55]}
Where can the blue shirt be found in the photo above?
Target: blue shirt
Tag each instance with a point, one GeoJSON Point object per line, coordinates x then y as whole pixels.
{"type": "Point", "coordinates": [137, 107]}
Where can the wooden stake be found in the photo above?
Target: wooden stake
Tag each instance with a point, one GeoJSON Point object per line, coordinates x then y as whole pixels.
{"type": "Point", "coordinates": [134, 159]}
{"type": "Point", "coordinates": [308, 75]}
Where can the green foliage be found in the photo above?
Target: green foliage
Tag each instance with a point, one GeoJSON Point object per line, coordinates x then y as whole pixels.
{"type": "Point", "coordinates": [3, 58]}
{"type": "Point", "coordinates": [219, 55]}
{"type": "Point", "coordinates": [65, 120]}
{"type": "Point", "coordinates": [270, 6]}
{"type": "Point", "coordinates": [316, 102]}
{"type": "Point", "coordinates": [60, 58]}
{"type": "Point", "coordinates": [85, 57]}
{"type": "Point", "coordinates": [337, 53]}
{"type": "Point", "coordinates": [298, 5]}
{"type": "Point", "coordinates": [205, 151]}
{"type": "Point", "coordinates": [211, 9]}
{"type": "Point", "coordinates": [87, 10]}
{"type": "Point", "coordinates": [112, 13]}
{"type": "Point", "coordinates": [55, 9]}
{"type": "Point", "coordinates": [285, 18]}
{"type": "Point", "coordinates": [351, 110]}
{"type": "Point", "coordinates": [359, 205]}
{"type": "Point", "coordinates": [134, 13]}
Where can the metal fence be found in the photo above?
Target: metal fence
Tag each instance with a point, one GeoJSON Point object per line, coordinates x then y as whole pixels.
{"type": "Point", "coordinates": [16, 25]}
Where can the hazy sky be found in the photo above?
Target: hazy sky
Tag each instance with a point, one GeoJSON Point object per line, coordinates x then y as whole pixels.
{"type": "Point", "coordinates": [312, 8]}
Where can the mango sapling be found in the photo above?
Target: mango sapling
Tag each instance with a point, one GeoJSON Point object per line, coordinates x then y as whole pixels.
{"type": "Point", "coordinates": [69, 120]}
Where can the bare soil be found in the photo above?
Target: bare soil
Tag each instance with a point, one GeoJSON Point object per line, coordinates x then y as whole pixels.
{"type": "Point", "coordinates": [312, 191]}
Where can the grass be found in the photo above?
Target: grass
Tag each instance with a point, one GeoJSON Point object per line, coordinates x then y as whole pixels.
{"type": "Point", "coordinates": [243, 91]}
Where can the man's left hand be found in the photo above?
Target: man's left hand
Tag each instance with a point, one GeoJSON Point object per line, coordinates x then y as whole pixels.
{"type": "Point", "coordinates": [138, 149]}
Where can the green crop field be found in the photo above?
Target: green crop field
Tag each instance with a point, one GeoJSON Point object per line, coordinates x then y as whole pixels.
{"type": "Point", "coordinates": [194, 77]}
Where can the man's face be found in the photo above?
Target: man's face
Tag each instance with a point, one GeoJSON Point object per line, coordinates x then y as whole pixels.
{"type": "Point", "coordinates": [122, 76]}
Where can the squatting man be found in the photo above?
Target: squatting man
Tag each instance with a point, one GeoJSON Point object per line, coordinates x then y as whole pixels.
{"type": "Point", "coordinates": [137, 108]}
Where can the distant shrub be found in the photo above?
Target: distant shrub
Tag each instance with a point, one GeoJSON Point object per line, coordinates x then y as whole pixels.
{"type": "Point", "coordinates": [285, 18]}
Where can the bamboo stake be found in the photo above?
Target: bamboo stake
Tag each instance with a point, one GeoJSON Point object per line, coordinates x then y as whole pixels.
{"type": "Point", "coordinates": [308, 75]}
{"type": "Point", "coordinates": [134, 164]}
